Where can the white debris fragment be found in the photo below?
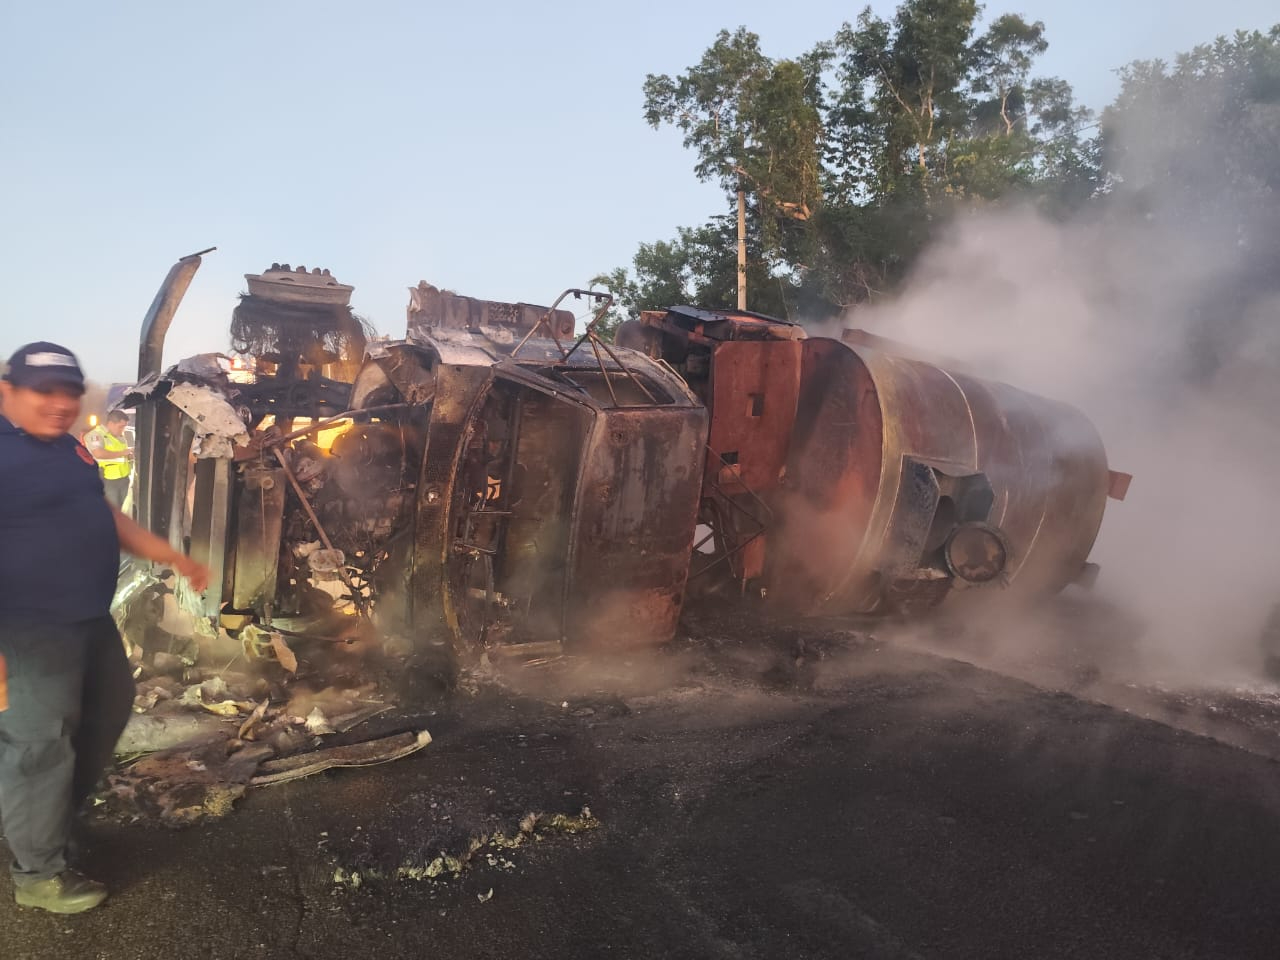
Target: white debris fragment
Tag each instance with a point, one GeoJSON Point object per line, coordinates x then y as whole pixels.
{"type": "Point", "coordinates": [210, 691]}
{"type": "Point", "coordinates": [318, 723]}
{"type": "Point", "coordinates": [176, 620]}
{"type": "Point", "coordinates": [209, 366]}
{"type": "Point", "coordinates": [217, 425]}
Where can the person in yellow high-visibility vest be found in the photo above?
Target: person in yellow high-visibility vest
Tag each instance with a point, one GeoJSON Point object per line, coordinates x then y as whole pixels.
{"type": "Point", "coordinates": [115, 457]}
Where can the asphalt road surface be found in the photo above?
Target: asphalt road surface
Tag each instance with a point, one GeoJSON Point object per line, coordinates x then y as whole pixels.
{"type": "Point", "coordinates": [809, 794]}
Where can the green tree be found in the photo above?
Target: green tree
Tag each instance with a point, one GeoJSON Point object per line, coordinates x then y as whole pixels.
{"type": "Point", "coordinates": [1002, 60]}
{"type": "Point", "coordinates": [1191, 147]}
{"type": "Point", "coordinates": [661, 277]}
{"type": "Point", "coordinates": [902, 94]}
{"type": "Point", "coordinates": [1203, 131]}
{"type": "Point", "coordinates": [926, 108]}
{"type": "Point", "coordinates": [756, 128]}
{"type": "Point", "coordinates": [698, 267]}
{"type": "Point", "coordinates": [844, 162]}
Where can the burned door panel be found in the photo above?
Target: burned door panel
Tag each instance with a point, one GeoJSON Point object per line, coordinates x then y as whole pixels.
{"type": "Point", "coordinates": [570, 485]}
{"type": "Point", "coordinates": [511, 514]}
{"type": "Point", "coordinates": [634, 526]}
{"type": "Point", "coordinates": [539, 496]}
{"type": "Point", "coordinates": [434, 601]}
{"type": "Point", "coordinates": [258, 531]}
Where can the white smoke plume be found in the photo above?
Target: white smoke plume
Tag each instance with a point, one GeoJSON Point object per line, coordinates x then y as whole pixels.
{"type": "Point", "coordinates": [1116, 315]}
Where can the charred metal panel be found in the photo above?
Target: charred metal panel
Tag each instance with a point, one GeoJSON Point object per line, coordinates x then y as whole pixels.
{"type": "Point", "coordinates": [755, 386]}
{"type": "Point", "coordinates": [535, 563]}
{"type": "Point", "coordinates": [499, 500]}
{"type": "Point", "coordinates": [727, 325]}
{"type": "Point", "coordinates": [155, 325]}
{"type": "Point", "coordinates": [432, 309]}
{"type": "Point", "coordinates": [433, 611]}
{"type": "Point", "coordinates": [393, 372]}
{"type": "Point", "coordinates": [562, 466]}
{"type": "Point", "coordinates": [210, 514]}
{"type": "Point", "coordinates": [634, 524]}
{"type": "Point", "coordinates": [259, 520]}
{"type": "Point", "coordinates": [166, 479]}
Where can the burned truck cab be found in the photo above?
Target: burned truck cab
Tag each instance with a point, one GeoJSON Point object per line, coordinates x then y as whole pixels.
{"type": "Point", "coordinates": [559, 482]}
{"type": "Point", "coordinates": [487, 483]}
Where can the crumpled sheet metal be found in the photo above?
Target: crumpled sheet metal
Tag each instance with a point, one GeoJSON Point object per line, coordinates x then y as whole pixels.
{"type": "Point", "coordinates": [202, 778]}
{"type": "Point", "coordinates": [140, 391]}
{"type": "Point", "coordinates": [203, 366]}
{"type": "Point", "coordinates": [217, 425]}
{"type": "Point", "coordinates": [432, 310]}
{"type": "Point", "coordinates": [458, 347]}
{"type": "Point", "coordinates": [366, 754]}
{"type": "Point", "coordinates": [189, 782]}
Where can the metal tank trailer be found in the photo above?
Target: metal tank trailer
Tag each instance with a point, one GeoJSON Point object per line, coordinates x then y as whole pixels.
{"type": "Point", "coordinates": [852, 477]}
{"type": "Point", "coordinates": [497, 483]}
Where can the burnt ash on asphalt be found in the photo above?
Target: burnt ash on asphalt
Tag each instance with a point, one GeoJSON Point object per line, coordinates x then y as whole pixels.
{"type": "Point", "coordinates": [760, 791]}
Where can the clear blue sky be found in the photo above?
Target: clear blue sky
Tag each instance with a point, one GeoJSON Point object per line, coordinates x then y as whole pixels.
{"type": "Point", "coordinates": [496, 148]}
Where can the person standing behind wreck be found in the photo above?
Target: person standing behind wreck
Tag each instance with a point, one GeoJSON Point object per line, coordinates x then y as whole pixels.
{"type": "Point", "coordinates": [107, 444]}
{"type": "Point", "coordinates": [69, 684]}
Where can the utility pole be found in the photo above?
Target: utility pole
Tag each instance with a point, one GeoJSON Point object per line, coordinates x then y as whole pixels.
{"type": "Point", "coordinates": [742, 248]}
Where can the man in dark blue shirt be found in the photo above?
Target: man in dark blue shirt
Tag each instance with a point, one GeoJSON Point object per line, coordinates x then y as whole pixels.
{"type": "Point", "coordinates": [69, 684]}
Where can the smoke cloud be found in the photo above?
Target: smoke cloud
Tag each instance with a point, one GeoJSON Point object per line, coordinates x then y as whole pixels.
{"type": "Point", "coordinates": [1158, 333]}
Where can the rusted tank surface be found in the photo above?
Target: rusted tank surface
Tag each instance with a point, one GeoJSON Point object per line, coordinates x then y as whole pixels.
{"type": "Point", "coordinates": [907, 482]}
{"type": "Point", "coordinates": [754, 386]}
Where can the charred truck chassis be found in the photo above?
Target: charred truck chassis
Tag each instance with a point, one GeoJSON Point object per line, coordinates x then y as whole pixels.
{"type": "Point", "coordinates": [485, 482]}
{"type": "Point", "coordinates": [492, 484]}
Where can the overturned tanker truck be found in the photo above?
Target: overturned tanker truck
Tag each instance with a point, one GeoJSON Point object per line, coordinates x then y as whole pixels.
{"type": "Point", "coordinates": [496, 483]}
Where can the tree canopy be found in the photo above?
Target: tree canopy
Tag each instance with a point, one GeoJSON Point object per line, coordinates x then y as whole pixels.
{"type": "Point", "coordinates": [1191, 147]}
{"type": "Point", "coordinates": [854, 154]}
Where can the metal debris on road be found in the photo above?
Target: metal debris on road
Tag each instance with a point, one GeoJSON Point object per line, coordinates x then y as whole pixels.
{"type": "Point", "coordinates": [365, 754]}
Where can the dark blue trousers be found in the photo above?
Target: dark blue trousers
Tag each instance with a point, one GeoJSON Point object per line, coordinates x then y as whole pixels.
{"type": "Point", "coordinates": [70, 694]}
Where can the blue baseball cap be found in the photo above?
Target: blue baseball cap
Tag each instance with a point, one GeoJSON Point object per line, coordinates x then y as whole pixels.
{"type": "Point", "coordinates": [44, 366]}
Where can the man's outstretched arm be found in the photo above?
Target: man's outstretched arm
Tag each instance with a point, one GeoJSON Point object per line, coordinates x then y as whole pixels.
{"type": "Point", "coordinates": [143, 543]}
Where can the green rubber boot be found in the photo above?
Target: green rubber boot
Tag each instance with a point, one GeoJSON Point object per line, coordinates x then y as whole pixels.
{"type": "Point", "coordinates": [68, 892]}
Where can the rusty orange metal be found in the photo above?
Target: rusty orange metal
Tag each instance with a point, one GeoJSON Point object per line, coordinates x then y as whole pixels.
{"type": "Point", "coordinates": [864, 476]}
{"type": "Point", "coordinates": [899, 466]}
{"type": "Point", "coordinates": [752, 397]}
